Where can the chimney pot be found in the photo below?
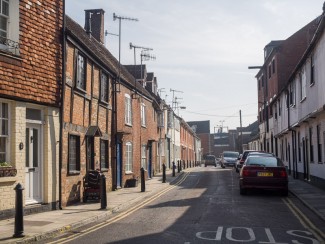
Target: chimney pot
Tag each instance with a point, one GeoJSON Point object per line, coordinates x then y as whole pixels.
{"type": "Point", "coordinates": [94, 24]}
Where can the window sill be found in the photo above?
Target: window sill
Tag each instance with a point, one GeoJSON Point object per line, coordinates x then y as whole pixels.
{"type": "Point", "coordinates": [8, 179]}
{"type": "Point", "coordinates": [10, 55]}
{"type": "Point", "coordinates": [81, 90]}
{"type": "Point", "coordinates": [105, 104]}
{"type": "Point", "coordinates": [303, 99]}
{"type": "Point", "coordinates": [128, 172]}
{"type": "Point", "coordinates": [72, 173]}
{"type": "Point", "coordinates": [127, 124]}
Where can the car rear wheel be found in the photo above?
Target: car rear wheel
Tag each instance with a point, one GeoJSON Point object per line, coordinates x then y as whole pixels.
{"type": "Point", "coordinates": [284, 193]}
{"type": "Point", "coordinates": [242, 191]}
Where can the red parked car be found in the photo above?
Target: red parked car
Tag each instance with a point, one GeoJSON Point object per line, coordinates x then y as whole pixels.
{"type": "Point", "coordinates": [263, 172]}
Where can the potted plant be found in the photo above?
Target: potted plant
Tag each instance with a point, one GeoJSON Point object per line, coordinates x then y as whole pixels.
{"type": "Point", "coordinates": [7, 170]}
{"type": "Point", "coordinates": [132, 182]}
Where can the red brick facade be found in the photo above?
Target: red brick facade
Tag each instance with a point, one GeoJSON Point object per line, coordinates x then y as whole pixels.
{"type": "Point", "coordinates": [35, 74]}
{"type": "Point", "coordinates": [83, 109]}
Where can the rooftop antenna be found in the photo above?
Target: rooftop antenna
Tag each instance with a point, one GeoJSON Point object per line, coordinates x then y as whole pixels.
{"type": "Point", "coordinates": [135, 61]}
{"type": "Point", "coordinates": [120, 18]}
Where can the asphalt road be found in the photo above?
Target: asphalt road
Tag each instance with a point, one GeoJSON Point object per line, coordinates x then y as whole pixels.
{"type": "Point", "coordinates": [207, 208]}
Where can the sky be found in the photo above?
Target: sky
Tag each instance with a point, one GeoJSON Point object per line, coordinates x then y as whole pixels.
{"type": "Point", "coordinates": [202, 48]}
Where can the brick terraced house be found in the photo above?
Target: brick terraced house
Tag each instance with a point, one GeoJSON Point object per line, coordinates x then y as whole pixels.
{"type": "Point", "coordinates": [110, 123]}
{"type": "Point", "coordinates": [30, 98]}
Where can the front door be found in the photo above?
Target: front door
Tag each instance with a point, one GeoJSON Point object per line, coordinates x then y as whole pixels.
{"type": "Point", "coordinates": [33, 165]}
{"type": "Point", "coordinates": [90, 158]}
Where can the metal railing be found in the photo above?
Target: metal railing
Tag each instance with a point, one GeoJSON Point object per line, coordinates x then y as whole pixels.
{"type": "Point", "coordinates": [9, 45]}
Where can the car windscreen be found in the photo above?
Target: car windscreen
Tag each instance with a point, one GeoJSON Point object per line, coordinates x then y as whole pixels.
{"type": "Point", "coordinates": [264, 161]}
{"type": "Point", "coordinates": [210, 158]}
{"type": "Point", "coordinates": [230, 154]}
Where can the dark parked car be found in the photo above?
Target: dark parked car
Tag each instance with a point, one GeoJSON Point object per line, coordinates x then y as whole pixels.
{"type": "Point", "coordinates": [229, 158]}
{"type": "Point", "coordinates": [210, 160]}
{"type": "Point", "coordinates": [263, 172]}
{"type": "Point", "coordinates": [242, 158]}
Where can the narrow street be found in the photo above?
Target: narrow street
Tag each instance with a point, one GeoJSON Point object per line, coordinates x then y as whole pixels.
{"type": "Point", "coordinates": [206, 207]}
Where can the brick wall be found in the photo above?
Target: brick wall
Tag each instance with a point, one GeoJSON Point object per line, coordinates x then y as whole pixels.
{"type": "Point", "coordinates": [35, 75]}
{"type": "Point", "coordinates": [80, 111]}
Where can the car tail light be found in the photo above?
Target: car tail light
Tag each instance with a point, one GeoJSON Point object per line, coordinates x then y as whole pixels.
{"type": "Point", "coordinates": [245, 172]}
{"type": "Point", "coordinates": [283, 173]}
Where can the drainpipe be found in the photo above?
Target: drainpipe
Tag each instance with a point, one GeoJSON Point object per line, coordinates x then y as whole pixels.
{"type": "Point", "coordinates": [288, 108]}
{"type": "Point", "coordinates": [62, 106]}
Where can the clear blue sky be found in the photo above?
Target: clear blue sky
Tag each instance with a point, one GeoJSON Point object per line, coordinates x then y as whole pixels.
{"type": "Point", "coordinates": [203, 47]}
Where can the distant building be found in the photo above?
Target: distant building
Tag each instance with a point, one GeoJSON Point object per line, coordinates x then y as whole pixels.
{"type": "Point", "coordinates": [202, 130]}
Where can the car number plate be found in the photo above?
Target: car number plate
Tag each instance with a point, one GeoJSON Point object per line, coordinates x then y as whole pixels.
{"type": "Point", "coordinates": [265, 174]}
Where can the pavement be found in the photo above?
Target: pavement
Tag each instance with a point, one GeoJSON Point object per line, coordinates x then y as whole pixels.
{"type": "Point", "coordinates": [43, 225]}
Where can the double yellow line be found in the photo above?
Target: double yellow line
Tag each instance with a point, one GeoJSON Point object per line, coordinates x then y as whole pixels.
{"type": "Point", "coordinates": [123, 214]}
{"type": "Point", "coordinates": [306, 223]}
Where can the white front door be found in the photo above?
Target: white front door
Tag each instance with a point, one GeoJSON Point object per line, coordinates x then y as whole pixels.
{"type": "Point", "coordinates": [33, 169]}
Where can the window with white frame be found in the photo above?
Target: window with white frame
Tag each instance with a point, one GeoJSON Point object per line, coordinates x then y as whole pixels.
{"type": "Point", "coordinates": [4, 18]}
{"type": "Point", "coordinates": [128, 110]}
{"type": "Point", "coordinates": [143, 114]}
{"type": "Point", "coordinates": [144, 156]}
{"type": "Point", "coordinates": [303, 85]}
{"type": "Point", "coordinates": [162, 147]}
{"type": "Point", "coordinates": [161, 119]}
{"type": "Point", "coordinates": [128, 157]}
{"type": "Point", "coordinates": [4, 132]}
{"type": "Point", "coordinates": [9, 26]}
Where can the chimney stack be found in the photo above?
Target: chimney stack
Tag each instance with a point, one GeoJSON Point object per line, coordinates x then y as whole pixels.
{"type": "Point", "coordinates": [94, 24]}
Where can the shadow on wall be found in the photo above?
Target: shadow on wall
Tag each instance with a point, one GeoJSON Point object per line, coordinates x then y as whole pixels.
{"type": "Point", "coordinates": [75, 194]}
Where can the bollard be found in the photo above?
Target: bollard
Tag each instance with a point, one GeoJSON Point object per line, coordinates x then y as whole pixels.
{"type": "Point", "coordinates": [164, 174]}
{"type": "Point", "coordinates": [143, 183]}
{"type": "Point", "coordinates": [103, 193]}
{"type": "Point", "coordinates": [19, 216]}
{"type": "Point", "coordinates": [178, 167]}
{"type": "Point", "coordinates": [174, 168]}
